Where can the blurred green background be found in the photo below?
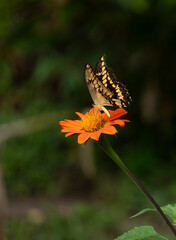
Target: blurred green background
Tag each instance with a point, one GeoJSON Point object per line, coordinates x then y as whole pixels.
{"type": "Point", "coordinates": [51, 187]}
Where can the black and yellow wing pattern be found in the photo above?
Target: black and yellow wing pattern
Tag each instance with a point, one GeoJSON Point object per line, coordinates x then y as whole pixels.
{"type": "Point", "coordinates": [104, 88]}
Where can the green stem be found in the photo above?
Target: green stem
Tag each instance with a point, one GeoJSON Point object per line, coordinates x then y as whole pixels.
{"type": "Point", "coordinates": [107, 148]}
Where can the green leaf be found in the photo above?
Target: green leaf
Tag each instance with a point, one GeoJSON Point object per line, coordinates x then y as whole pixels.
{"type": "Point", "coordinates": [143, 211]}
{"type": "Point", "coordinates": [142, 232]}
{"type": "Point", "coordinates": [169, 210]}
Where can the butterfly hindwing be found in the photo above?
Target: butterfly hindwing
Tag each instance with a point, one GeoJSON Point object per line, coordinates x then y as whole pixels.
{"type": "Point", "coordinates": [120, 95]}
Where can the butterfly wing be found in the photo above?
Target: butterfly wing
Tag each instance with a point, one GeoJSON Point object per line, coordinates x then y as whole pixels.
{"type": "Point", "coordinates": [98, 92]}
{"type": "Point", "coordinates": [120, 96]}
{"type": "Point", "coordinates": [96, 88]}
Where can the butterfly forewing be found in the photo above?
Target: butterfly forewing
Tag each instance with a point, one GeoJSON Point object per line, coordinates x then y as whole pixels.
{"type": "Point", "coordinates": [96, 88]}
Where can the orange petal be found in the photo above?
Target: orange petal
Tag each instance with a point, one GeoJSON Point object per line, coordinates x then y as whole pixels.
{"type": "Point", "coordinates": [72, 130]}
{"type": "Point", "coordinates": [95, 135]}
{"type": "Point", "coordinates": [71, 124]}
{"type": "Point", "coordinates": [109, 130]}
{"type": "Point", "coordinates": [66, 130]}
{"type": "Point", "coordinates": [120, 122]}
{"type": "Point", "coordinates": [118, 113]}
{"type": "Point", "coordinates": [115, 114]}
{"type": "Point", "coordinates": [83, 137]}
{"type": "Point", "coordinates": [69, 134]}
{"type": "Point", "coordinates": [80, 114]}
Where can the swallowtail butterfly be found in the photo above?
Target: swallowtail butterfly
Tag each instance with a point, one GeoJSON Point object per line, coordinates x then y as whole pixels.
{"type": "Point", "coordinates": [104, 88]}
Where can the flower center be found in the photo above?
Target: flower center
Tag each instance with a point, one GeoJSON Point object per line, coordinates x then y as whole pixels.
{"type": "Point", "coordinates": [93, 121]}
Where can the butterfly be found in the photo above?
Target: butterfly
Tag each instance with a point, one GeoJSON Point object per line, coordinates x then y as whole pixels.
{"type": "Point", "coordinates": [104, 88]}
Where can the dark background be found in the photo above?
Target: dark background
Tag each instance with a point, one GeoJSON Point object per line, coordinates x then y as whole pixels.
{"type": "Point", "coordinates": [55, 189]}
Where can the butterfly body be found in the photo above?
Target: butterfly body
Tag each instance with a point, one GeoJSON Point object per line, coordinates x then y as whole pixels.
{"type": "Point", "coordinates": [104, 88]}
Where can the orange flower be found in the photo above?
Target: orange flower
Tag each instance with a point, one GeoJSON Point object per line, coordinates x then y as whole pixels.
{"type": "Point", "coordinates": [93, 123]}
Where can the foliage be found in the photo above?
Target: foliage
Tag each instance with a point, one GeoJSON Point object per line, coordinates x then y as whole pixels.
{"type": "Point", "coordinates": [169, 210]}
{"type": "Point", "coordinates": [139, 233]}
{"type": "Point", "coordinates": [144, 232]}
